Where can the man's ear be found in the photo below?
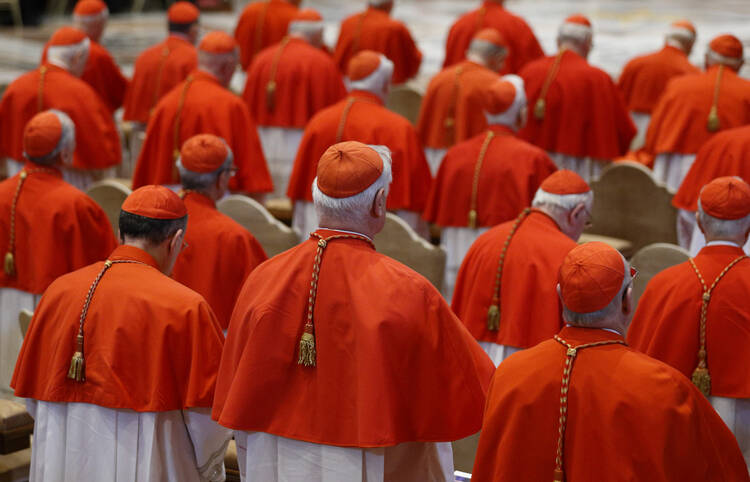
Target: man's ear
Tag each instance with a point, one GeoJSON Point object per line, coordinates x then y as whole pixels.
{"type": "Point", "coordinates": [175, 242]}
{"type": "Point", "coordinates": [698, 222]}
{"type": "Point", "coordinates": [378, 204]}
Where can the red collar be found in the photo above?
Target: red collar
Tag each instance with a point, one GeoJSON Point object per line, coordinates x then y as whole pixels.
{"type": "Point", "coordinates": [366, 96]}
{"type": "Point", "coordinates": [31, 165]}
{"type": "Point", "coordinates": [195, 197]}
{"type": "Point", "coordinates": [126, 251]}
{"type": "Point", "coordinates": [198, 74]}
{"type": "Point", "coordinates": [327, 233]}
{"type": "Point", "coordinates": [501, 130]}
{"type": "Point", "coordinates": [576, 335]}
{"type": "Point", "coordinates": [721, 249]}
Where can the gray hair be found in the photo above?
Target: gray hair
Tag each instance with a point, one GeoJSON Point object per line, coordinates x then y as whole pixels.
{"type": "Point", "coordinates": [561, 202]}
{"type": "Point", "coordinates": [594, 317]}
{"type": "Point", "coordinates": [485, 50]}
{"type": "Point", "coordinates": [305, 29]}
{"type": "Point", "coordinates": [213, 63]}
{"type": "Point", "coordinates": [198, 181]}
{"type": "Point", "coordinates": [67, 140]}
{"type": "Point", "coordinates": [723, 228]}
{"type": "Point", "coordinates": [63, 55]}
{"type": "Point", "coordinates": [724, 60]}
{"type": "Point", "coordinates": [354, 209]}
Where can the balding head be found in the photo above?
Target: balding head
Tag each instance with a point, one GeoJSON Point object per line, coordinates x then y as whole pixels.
{"type": "Point", "coordinates": [91, 16]}
{"type": "Point", "coordinates": [488, 48]}
{"type": "Point", "coordinates": [218, 55]}
{"type": "Point", "coordinates": [576, 34]}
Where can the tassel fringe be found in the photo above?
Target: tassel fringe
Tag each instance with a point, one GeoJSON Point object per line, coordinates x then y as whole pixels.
{"type": "Point", "coordinates": [271, 96]}
{"type": "Point", "coordinates": [77, 363]}
{"type": "Point", "coordinates": [713, 123]}
{"type": "Point", "coordinates": [473, 219]}
{"type": "Point", "coordinates": [702, 380]}
{"type": "Point", "coordinates": [539, 108]}
{"type": "Point", "coordinates": [307, 350]}
{"type": "Point", "coordinates": [10, 265]}
{"type": "Point", "coordinates": [493, 318]}
{"type": "Point", "coordinates": [558, 476]}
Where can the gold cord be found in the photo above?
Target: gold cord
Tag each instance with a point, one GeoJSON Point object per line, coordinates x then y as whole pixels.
{"type": "Point", "coordinates": [450, 122]}
{"type": "Point", "coordinates": [541, 103]}
{"type": "Point", "coordinates": [473, 213]}
{"type": "Point", "coordinates": [258, 34]}
{"type": "Point", "coordinates": [271, 85]}
{"type": "Point", "coordinates": [162, 60]}
{"type": "Point", "coordinates": [713, 124]}
{"type": "Point", "coordinates": [40, 92]}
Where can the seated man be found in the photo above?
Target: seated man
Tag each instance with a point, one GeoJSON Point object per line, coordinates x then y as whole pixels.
{"type": "Point", "coordinates": [120, 362]}
{"type": "Point", "coordinates": [616, 415]}
{"type": "Point", "coordinates": [47, 228]}
{"type": "Point", "coordinates": [353, 365]}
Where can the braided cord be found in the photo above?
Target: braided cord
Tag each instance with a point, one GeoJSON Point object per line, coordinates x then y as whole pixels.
{"type": "Point", "coordinates": [271, 85]}
{"type": "Point", "coordinates": [713, 124]}
{"type": "Point", "coordinates": [162, 60]}
{"type": "Point", "coordinates": [541, 103]}
{"type": "Point", "coordinates": [40, 91]}
{"type": "Point", "coordinates": [473, 213]}
{"type": "Point", "coordinates": [258, 34]}
{"type": "Point", "coordinates": [450, 122]}
{"type": "Point", "coordinates": [344, 115]}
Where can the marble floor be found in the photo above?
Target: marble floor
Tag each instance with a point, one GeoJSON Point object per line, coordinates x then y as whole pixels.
{"type": "Point", "coordinates": [623, 28]}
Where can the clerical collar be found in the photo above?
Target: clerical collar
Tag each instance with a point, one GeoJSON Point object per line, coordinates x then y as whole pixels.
{"type": "Point", "coordinates": [595, 328]}
{"type": "Point", "coordinates": [347, 232]}
{"type": "Point", "coordinates": [723, 243]}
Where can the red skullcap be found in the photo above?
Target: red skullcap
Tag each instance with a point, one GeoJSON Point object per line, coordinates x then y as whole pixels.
{"type": "Point", "coordinates": [203, 153]}
{"type": "Point", "coordinates": [686, 25]}
{"type": "Point", "coordinates": [42, 134]}
{"type": "Point", "coordinates": [498, 97]}
{"type": "Point", "coordinates": [564, 182]}
{"type": "Point", "coordinates": [155, 202]}
{"type": "Point", "coordinates": [307, 15]}
{"type": "Point", "coordinates": [89, 7]}
{"type": "Point", "coordinates": [490, 35]}
{"type": "Point", "coordinates": [348, 168]}
{"type": "Point", "coordinates": [67, 36]}
{"type": "Point", "coordinates": [579, 20]}
{"type": "Point", "coordinates": [363, 65]}
{"type": "Point", "coordinates": [590, 277]}
{"type": "Point", "coordinates": [728, 46]}
{"type": "Point", "coordinates": [218, 42]}
{"type": "Point", "coordinates": [726, 198]}
{"type": "Point", "coordinates": [183, 12]}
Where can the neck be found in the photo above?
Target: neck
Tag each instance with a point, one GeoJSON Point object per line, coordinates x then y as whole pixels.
{"type": "Point", "coordinates": [212, 193]}
{"type": "Point", "coordinates": [558, 218]}
{"type": "Point", "coordinates": [670, 42]}
{"type": "Point", "coordinates": [573, 47]}
{"type": "Point", "coordinates": [343, 226]}
{"type": "Point", "coordinates": [155, 252]}
{"type": "Point", "coordinates": [476, 58]}
{"type": "Point", "coordinates": [58, 63]}
{"type": "Point", "coordinates": [180, 35]}
{"type": "Point", "coordinates": [609, 325]}
{"type": "Point", "coordinates": [739, 241]}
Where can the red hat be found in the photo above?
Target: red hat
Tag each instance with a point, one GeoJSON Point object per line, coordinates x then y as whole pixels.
{"type": "Point", "coordinates": [89, 7]}
{"type": "Point", "coordinates": [155, 202]}
{"type": "Point", "coordinates": [490, 35]}
{"type": "Point", "coordinates": [363, 65]}
{"type": "Point", "coordinates": [42, 134]}
{"type": "Point", "coordinates": [684, 25]}
{"type": "Point", "coordinates": [498, 97]}
{"type": "Point", "coordinates": [564, 182]}
{"type": "Point", "coordinates": [726, 198]}
{"type": "Point", "coordinates": [183, 12]}
{"type": "Point", "coordinates": [590, 276]}
{"type": "Point", "coordinates": [67, 36]}
{"type": "Point", "coordinates": [579, 20]}
{"type": "Point", "coordinates": [204, 153]}
{"type": "Point", "coordinates": [348, 168]}
{"type": "Point", "coordinates": [218, 42]}
{"type": "Point", "coordinates": [727, 46]}
{"type": "Point", "coordinates": [307, 15]}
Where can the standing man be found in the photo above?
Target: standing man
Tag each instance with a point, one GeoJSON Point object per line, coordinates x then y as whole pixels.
{"type": "Point", "coordinates": [203, 104]}
{"type": "Point", "coordinates": [55, 84]}
{"type": "Point", "coordinates": [577, 114]}
{"type": "Point", "coordinates": [488, 179]}
{"type": "Point", "coordinates": [644, 78]}
{"type": "Point", "coordinates": [616, 415]}
{"type": "Point", "coordinates": [120, 361]}
{"type": "Point", "coordinates": [694, 108]}
{"type": "Point", "coordinates": [451, 110]}
{"type": "Point", "coordinates": [286, 85]}
{"type": "Point", "coordinates": [343, 387]}
{"type": "Point", "coordinates": [161, 67]}
{"type": "Point", "coordinates": [261, 25]}
{"type": "Point", "coordinates": [362, 117]}
{"type": "Point", "coordinates": [522, 43]}
{"type": "Point", "coordinates": [220, 253]}
{"type": "Point", "coordinates": [505, 290]}
{"type": "Point", "coordinates": [694, 316]}
{"type": "Point", "coordinates": [375, 30]}
{"type": "Point", "coordinates": [47, 228]}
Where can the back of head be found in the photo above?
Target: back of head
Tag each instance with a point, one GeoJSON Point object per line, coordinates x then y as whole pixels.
{"type": "Point", "coordinates": [182, 19]}
{"type": "Point", "coordinates": [151, 214]}
{"type": "Point", "coordinates": [69, 48]}
{"type": "Point", "coordinates": [488, 48]}
{"type": "Point", "coordinates": [371, 72]}
{"type": "Point", "coordinates": [725, 50]}
{"type": "Point", "coordinates": [218, 55]}
{"type": "Point", "coordinates": [203, 159]}
{"type": "Point", "coordinates": [91, 17]}
{"type": "Point", "coordinates": [307, 24]}
{"type": "Point", "coordinates": [576, 33]}
{"type": "Point", "coordinates": [386, 5]}
{"type": "Point", "coordinates": [567, 199]}
{"type": "Point", "coordinates": [724, 210]}
{"type": "Point", "coordinates": [681, 35]}
{"type": "Point", "coordinates": [504, 102]}
{"type": "Point", "coordinates": [49, 138]}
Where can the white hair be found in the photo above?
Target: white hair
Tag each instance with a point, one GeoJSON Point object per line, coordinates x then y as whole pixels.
{"type": "Point", "coordinates": [199, 181]}
{"type": "Point", "coordinates": [561, 202]}
{"type": "Point", "coordinates": [588, 319]}
{"type": "Point", "coordinates": [377, 81]}
{"type": "Point", "coordinates": [213, 63]}
{"type": "Point", "coordinates": [508, 118]}
{"type": "Point", "coordinates": [64, 55]}
{"type": "Point", "coordinates": [67, 142]}
{"type": "Point", "coordinates": [575, 32]}
{"type": "Point", "coordinates": [681, 33]}
{"type": "Point", "coordinates": [354, 209]}
{"type": "Point", "coordinates": [717, 58]}
{"type": "Point", "coordinates": [92, 18]}
{"type": "Point", "coordinates": [305, 29]}
{"type": "Point", "coordinates": [378, 3]}
{"type": "Point", "coordinates": [483, 50]}
{"type": "Point", "coordinates": [723, 228]}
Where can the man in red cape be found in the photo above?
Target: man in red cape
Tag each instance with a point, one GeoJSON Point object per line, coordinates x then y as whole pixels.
{"type": "Point", "coordinates": [523, 45]}
{"type": "Point", "coordinates": [585, 406]}
{"type": "Point", "coordinates": [286, 85]}
{"type": "Point", "coordinates": [161, 67]}
{"type": "Point", "coordinates": [576, 112]}
{"type": "Point", "coordinates": [202, 104]}
{"type": "Point", "coordinates": [505, 290]}
{"type": "Point", "coordinates": [451, 110]}
{"type": "Point", "coordinates": [343, 386]}
{"type": "Point", "coordinates": [362, 117]}
{"type": "Point", "coordinates": [220, 252]}
{"type": "Point", "coordinates": [644, 78]}
{"type": "Point", "coordinates": [487, 179]}
{"type": "Point", "coordinates": [262, 24]}
{"type": "Point", "coordinates": [695, 107]}
{"type": "Point", "coordinates": [55, 85]}
{"type": "Point", "coordinates": [120, 362]}
{"type": "Point", "coordinates": [693, 316]}
{"type": "Point", "coordinates": [47, 228]}
{"type": "Point", "coordinates": [375, 30]}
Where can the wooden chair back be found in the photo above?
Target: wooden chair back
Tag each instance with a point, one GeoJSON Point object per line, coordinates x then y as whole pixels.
{"type": "Point", "coordinates": [273, 235]}
{"type": "Point", "coordinates": [653, 259]}
{"type": "Point", "coordinates": [110, 194]}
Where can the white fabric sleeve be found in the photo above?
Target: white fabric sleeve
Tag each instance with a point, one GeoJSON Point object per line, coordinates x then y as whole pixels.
{"type": "Point", "coordinates": [210, 442]}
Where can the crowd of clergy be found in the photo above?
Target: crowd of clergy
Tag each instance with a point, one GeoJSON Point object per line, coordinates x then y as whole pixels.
{"type": "Point", "coordinates": [151, 347]}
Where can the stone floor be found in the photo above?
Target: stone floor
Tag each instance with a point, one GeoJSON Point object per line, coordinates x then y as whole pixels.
{"type": "Point", "coordinates": [623, 28]}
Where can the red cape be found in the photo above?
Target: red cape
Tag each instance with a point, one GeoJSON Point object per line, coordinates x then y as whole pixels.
{"type": "Point", "coordinates": [666, 323]}
{"type": "Point", "coordinates": [530, 310]}
{"type": "Point", "coordinates": [369, 122]}
{"type": "Point", "coordinates": [397, 371]}
{"type": "Point", "coordinates": [219, 256]}
{"type": "Point", "coordinates": [306, 80]}
{"type": "Point", "coordinates": [156, 74]}
{"type": "Point", "coordinates": [511, 172]}
{"type": "Point", "coordinates": [209, 108]}
{"type": "Point", "coordinates": [629, 417]}
{"type": "Point", "coordinates": [150, 344]}
{"type": "Point", "coordinates": [58, 229]}
{"type": "Point", "coordinates": [523, 47]}
{"type": "Point", "coordinates": [585, 114]}
{"type": "Point", "coordinates": [97, 140]}
{"type": "Point", "coordinates": [273, 16]}
{"type": "Point", "coordinates": [374, 29]}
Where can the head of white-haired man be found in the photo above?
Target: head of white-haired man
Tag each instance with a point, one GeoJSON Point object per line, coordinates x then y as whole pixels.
{"type": "Point", "coordinates": [488, 48]}
{"type": "Point", "coordinates": [724, 210]}
{"type": "Point", "coordinates": [576, 34]}
{"type": "Point", "coordinates": [68, 48]}
{"type": "Point", "coordinates": [49, 139]}
{"type": "Point", "coordinates": [681, 35]}
{"type": "Point", "coordinates": [206, 165]}
{"type": "Point", "coordinates": [218, 54]}
{"type": "Point", "coordinates": [369, 71]}
{"type": "Point", "coordinates": [566, 198]}
{"type": "Point", "coordinates": [351, 188]}
{"type": "Point", "coordinates": [91, 17]}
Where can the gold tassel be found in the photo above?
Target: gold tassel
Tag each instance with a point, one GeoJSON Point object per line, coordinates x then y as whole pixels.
{"type": "Point", "coordinates": [10, 265]}
{"type": "Point", "coordinates": [702, 380]}
{"type": "Point", "coordinates": [473, 219]}
{"type": "Point", "coordinates": [76, 371]}
{"type": "Point", "coordinates": [270, 95]}
{"type": "Point", "coordinates": [558, 477]}
{"type": "Point", "coordinates": [449, 122]}
{"type": "Point", "coordinates": [713, 123]}
{"type": "Point", "coordinates": [307, 350]}
{"type": "Point", "coordinates": [539, 108]}
{"type": "Point", "coordinates": [493, 318]}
